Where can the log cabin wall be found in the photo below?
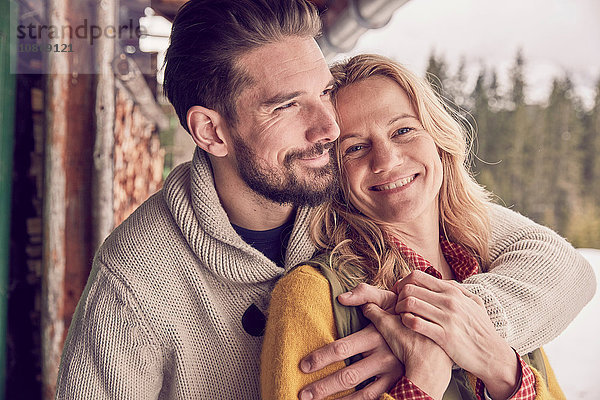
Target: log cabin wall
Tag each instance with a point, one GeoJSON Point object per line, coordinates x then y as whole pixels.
{"type": "Point", "coordinates": [138, 157]}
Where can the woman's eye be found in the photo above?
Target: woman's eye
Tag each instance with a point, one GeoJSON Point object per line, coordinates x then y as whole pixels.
{"type": "Point", "coordinates": [326, 92]}
{"type": "Point", "coordinates": [353, 149]}
{"type": "Point", "coordinates": [403, 131]}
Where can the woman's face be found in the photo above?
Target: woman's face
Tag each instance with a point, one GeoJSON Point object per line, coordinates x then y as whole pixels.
{"type": "Point", "coordinates": [390, 161]}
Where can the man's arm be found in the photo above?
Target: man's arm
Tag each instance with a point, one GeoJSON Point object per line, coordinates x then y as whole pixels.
{"type": "Point", "coordinates": [109, 352]}
{"type": "Point", "coordinates": [536, 283]}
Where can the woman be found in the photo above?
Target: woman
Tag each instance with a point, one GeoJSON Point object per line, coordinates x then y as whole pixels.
{"type": "Point", "coordinates": [407, 202]}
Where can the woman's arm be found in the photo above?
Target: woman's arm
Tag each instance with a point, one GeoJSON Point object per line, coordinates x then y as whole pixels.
{"type": "Point", "coordinates": [536, 283]}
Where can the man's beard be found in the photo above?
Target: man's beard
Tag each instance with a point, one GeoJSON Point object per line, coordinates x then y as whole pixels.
{"type": "Point", "coordinates": [284, 186]}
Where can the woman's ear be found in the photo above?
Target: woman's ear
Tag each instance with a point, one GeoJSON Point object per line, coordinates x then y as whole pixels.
{"type": "Point", "coordinates": [207, 127]}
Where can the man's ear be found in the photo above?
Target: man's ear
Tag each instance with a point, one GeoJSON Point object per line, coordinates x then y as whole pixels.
{"type": "Point", "coordinates": [207, 127]}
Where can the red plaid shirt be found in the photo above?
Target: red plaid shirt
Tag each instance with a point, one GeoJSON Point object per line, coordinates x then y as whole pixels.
{"type": "Point", "coordinates": [464, 265]}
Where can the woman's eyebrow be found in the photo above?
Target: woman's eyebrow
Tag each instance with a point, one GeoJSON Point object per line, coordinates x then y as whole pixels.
{"type": "Point", "coordinates": [352, 135]}
{"type": "Point", "coordinates": [401, 116]}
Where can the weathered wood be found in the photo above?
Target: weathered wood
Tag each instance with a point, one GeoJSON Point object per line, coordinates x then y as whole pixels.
{"type": "Point", "coordinates": [67, 201]}
{"type": "Point", "coordinates": [54, 211]}
{"type": "Point", "coordinates": [102, 199]}
{"type": "Point", "coordinates": [130, 75]}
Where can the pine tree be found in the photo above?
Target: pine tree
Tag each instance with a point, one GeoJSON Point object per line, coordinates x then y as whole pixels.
{"type": "Point", "coordinates": [514, 137]}
{"type": "Point", "coordinates": [457, 86]}
{"type": "Point", "coordinates": [495, 99]}
{"type": "Point", "coordinates": [564, 131]}
{"type": "Point", "coordinates": [517, 92]}
{"type": "Point", "coordinates": [480, 112]}
{"type": "Point", "coordinates": [591, 150]}
{"type": "Point", "coordinates": [585, 226]}
{"type": "Point", "coordinates": [437, 73]}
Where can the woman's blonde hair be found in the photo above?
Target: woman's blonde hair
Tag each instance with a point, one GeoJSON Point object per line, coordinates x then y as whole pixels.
{"type": "Point", "coordinates": [362, 249]}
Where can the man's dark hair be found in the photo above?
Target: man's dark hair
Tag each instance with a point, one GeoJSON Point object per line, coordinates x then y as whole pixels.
{"type": "Point", "coordinates": [209, 36]}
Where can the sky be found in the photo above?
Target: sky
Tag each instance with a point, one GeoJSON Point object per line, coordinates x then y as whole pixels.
{"type": "Point", "coordinates": [556, 36]}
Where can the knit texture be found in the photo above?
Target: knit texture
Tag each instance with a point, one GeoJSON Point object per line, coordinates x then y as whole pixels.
{"type": "Point", "coordinates": [536, 283]}
{"type": "Point", "coordinates": [161, 313]}
{"type": "Point", "coordinates": [160, 316]}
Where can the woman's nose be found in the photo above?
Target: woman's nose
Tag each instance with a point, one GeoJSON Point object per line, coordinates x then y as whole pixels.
{"type": "Point", "coordinates": [385, 157]}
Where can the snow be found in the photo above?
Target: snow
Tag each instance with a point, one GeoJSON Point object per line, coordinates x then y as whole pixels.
{"type": "Point", "coordinates": [575, 353]}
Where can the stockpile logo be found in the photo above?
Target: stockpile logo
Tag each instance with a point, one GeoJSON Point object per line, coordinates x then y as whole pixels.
{"type": "Point", "coordinates": [71, 40]}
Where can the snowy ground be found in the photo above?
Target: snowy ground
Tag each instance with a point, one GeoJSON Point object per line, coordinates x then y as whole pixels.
{"type": "Point", "coordinates": [575, 353]}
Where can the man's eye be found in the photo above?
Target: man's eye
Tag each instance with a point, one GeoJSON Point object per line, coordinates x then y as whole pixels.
{"type": "Point", "coordinates": [286, 105]}
{"type": "Point", "coordinates": [326, 92]}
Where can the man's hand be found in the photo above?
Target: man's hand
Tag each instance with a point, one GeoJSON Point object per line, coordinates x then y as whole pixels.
{"type": "Point", "coordinates": [378, 361]}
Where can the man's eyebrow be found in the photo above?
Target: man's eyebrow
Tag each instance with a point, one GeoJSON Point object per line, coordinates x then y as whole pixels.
{"type": "Point", "coordinates": [285, 97]}
{"type": "Point", "coordinates": [280, 98]}
{"type": "Point", "coordinates": [401, 116]}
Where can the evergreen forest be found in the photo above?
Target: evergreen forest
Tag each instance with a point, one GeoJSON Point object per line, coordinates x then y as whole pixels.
{"type": "Point", "coordinates": [538, 159]}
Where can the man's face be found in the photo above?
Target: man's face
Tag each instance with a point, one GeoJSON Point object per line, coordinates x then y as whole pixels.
{"type": "Point", "coordinates": [286, 123]}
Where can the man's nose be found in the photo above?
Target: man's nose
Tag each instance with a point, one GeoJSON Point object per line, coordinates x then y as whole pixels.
{"type": "Point", "coordinates": [322, 126]}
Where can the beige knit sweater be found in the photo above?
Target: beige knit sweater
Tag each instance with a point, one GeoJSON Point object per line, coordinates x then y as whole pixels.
{"type": "Point", "coordinates": [160, 316]}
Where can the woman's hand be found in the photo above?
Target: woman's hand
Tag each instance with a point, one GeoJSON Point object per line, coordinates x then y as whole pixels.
{"type": "Point", "coordinates": [458, 322]}
{"type": "Point", "coordinates": [426, 364]}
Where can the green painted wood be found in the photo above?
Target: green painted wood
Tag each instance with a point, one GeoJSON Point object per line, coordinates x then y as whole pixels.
{"type": "Point", "coordinates": [7, 116]}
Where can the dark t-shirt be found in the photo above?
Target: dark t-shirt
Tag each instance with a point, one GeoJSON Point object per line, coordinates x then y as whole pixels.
{"type": "Point", "coordinates": [272, 243]}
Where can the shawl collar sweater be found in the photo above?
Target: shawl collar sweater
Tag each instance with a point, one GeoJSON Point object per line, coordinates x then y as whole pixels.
{"type": "Point", "coordinates": [161, 314]}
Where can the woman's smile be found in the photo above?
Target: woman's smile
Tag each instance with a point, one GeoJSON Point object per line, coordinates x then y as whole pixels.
{"type": "Point", "coordinates": [396, 184]}
{"type": "Point", "coordinates": [390, 162]}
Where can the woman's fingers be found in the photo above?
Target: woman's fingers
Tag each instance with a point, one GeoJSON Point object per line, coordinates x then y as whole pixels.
{"type": "Point", "coordinates": [422, 357]}
{"type": "Point", "coordinates": [382, 320]}
{"type": "Point", "coordinates": [363, 294]}
{"type": "Point", "coordinates": [424, 327]}
{"type": "Point", "coordinates": [390, 327]}
{"type": "Point", "coordinates": [421, 301]}
{"type": "Point", "coordinates": [422, 279]}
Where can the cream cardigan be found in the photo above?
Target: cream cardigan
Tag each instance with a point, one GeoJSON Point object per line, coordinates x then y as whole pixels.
{"type": "Point", "coordinates": [160, 316]}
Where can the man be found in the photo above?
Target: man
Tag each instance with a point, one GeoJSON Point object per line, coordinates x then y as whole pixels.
{"type": "Point", "coordinates": [174, 304]}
